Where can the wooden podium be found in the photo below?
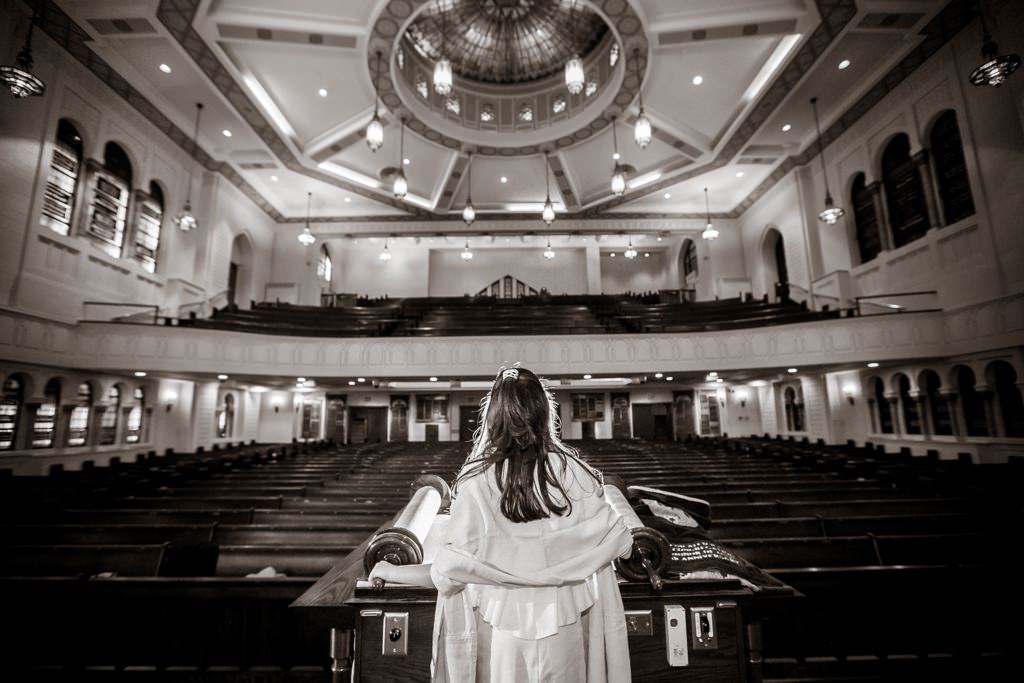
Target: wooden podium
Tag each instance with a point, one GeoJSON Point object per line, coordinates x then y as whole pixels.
{"type": "Point", "coordinates": [694, 630]}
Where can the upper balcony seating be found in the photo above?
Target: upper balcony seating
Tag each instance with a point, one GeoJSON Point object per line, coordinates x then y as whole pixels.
{"type": "Point", "coordinates": [547, 315]}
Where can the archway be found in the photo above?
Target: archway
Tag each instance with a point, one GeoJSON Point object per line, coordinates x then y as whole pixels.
{"type": "Point", "coordinates": [688, 265]}
{"type": "Point", "coordinates": [773, 260]}
{"type": "Point", "coordinates": [240, 272]}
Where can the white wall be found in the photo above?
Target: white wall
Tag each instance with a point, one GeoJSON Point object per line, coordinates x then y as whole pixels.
{"type": "Point", "coordinates": [641, 274]}
{"type": "Point", "coordinates": [451, 276]}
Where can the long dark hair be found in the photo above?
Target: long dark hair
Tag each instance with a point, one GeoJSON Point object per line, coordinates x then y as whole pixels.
{"type": "Point", "coordinates": [517, 432]}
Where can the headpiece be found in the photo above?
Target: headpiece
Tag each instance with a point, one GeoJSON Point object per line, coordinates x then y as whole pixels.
{"type": "Point", "coordinates": [511, 372]}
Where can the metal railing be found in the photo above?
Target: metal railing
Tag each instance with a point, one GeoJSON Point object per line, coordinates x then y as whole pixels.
{"type": "Point", "coordinates": [103, 311]}
{"type": "Point", "coordinates": [898, 302]}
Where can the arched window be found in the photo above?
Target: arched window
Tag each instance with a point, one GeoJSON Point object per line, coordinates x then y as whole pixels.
{"type": "Point", "coordinates": [690, 264]}
{"type": "Point", "coordinates": [792, 399]}
{"type": "Point", "coordinates": [133, 426]}
{"type": "Point", "coordinates": [938, 407]}
{"type": "Point", "coordinates": [226, 417]}
{"type": "Point", "coordinates": [951, 169]}
{"type": "Point", "coordinates": [108, 425]}
{"type": "Point", "coordinates": [112, 184]}
{"type": "Point", "coordinates": [885, 425]}
{"type": "Point", "coordinates": [46, 416]}
{"type": "Point", "coordinates": [911, 415]}
{"type": "Point", "coordinates": [1004, 380]}
{"type": "Point", "coordinates": [971, 403]}
{"type": "Point", "coordinates": [865, 218]}
{"type": "Point", "coordinates": [78, 425]}
{"type": "Point", "coordinates": [148, 220]}
{"type": "Point", "coordinates": [324, 265]}
{"type": "Point", "coordinates": [62, 181]}
{"type": "Point", "coordinates": [904, 192]}
{"type": "Point", "coordinates": [10, 407]}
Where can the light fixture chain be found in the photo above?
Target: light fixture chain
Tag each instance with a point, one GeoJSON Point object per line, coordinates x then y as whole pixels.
{"type": "Point", "coordinates": [821, 146]}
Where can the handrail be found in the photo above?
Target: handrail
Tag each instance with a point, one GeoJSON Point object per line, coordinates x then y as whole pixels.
{"type": "Point", "coordinates": [879, 296]}
{"type": "Point", "coordinates": [146, 307]}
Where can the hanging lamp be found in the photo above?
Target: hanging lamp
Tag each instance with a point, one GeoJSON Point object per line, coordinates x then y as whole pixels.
{"type": "Point", "coordinates": [466, 254]}
{"type": "Point", "coordinates": [618, 170]}
{"type": "Point", "coordinates": [385, 255]}
{"type": "Point", "coordinates": [19, 78]}
{"type": "Point", "coordinates": [996, 68]}
{"type": "Point", "coordinates": [547, 214]}
{"type": "Point", "coordinates": [306, 237]}
{"type": "Point", "coordinates": [400, 187]}
{"type": "Point", "coordinates": [630, 252]}
{"type": "Point", "coordinates": [642, 128]}
{"type": "Point", "coordinates": [574, 76]}
{"type": "Point", "coordinates": [831, 213]}
{"type": "Point", "coordinates": [442, 67]}
{"type": "Point", "coordinates": [186, 220]}
{"type": "Point", "coordinates": [549, 253]}
{"type": "Point", "coordinates": [710, 233]}
{"type": "Point", "coordinates": [375, 129]}
{"type": "Point", "coordinates": [468, 212]}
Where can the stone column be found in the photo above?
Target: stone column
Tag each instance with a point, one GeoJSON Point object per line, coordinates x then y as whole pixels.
{"type": "Point", "coordinates": [897, 414]}
{"type": "Point", "coordinates": [24, 427]}
{"type": "Point", "coordinates": [878, 198]}
{"type": "Point", "coordinates": [956, 416]}
{"type": "Point", "coordinates": [928, 187]}
{"type": "Point", "coordinates": [918, 397]}
{"type": "Point", "coordinates": [993, 417]}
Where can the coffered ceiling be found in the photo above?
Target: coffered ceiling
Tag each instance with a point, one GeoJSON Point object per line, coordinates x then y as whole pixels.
{"type": "Point", "coordinates": [292, 82]}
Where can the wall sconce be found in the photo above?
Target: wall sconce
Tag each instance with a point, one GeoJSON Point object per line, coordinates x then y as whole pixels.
{"type": "Point", "coordinates": [850, 391]}
{"type": "Point", "coordinates": [170, 399]}
{"type": "Point", "coordinates": [742, 397]}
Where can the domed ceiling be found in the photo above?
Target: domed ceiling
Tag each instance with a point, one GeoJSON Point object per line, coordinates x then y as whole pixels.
{"type": "Point", "coordinates": [505, 41]}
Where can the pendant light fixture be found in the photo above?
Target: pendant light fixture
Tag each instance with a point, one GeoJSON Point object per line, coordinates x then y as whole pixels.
{"type": "Point", "coordinates": [618, 171]}
{"type": "Point", "coordinates": [19, 78]}
{"type": "Point", "coordinates": [831, 213]}
{"type": "Point", "coordinates": [996, 68]}
{"type": "Point", "coordinates": [375, 129]}
{"type": "Point", "coordinates": [466, 254]}
{"type": "Point", "coordinates": [442, 67]}
{"type": "Point", "coordinates": [709, 230]}
{"type": "Point", "coordinates": [547, 214]}
{"type": "Point", "coordinates": [468, 212]}
{"type": "Point", "coordinates": [549, 253]}
{"type": "Point", "coordinates": [642, 128]}
{"type": "Point", "coordinates": [574, 76]}
{"type": "Point", "coordinates": [630, 252]}
{"type": "Point", "coordinates": [385, 255]}
{"type": "Point", "coordinates": [186, 220]}
{"type": "Point", "coordinates": [400, 186]}
{"type": "Point", "coordinates": [306, 237]}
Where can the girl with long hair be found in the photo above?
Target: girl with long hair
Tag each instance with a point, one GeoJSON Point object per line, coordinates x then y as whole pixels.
{"type": "Point", "coordinates": [526, 588]}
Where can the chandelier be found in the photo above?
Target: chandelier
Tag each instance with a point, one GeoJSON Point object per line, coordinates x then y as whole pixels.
{"type": "Point", "coordinates": [385, 255]}
{"type": "Point", "coordinates": [831, 213]}
{"type": "Point", "coordinates": [996, 68]}
{"type": "Point", "coordinates": [442, 67]}
{"type": "Point", "coordinates": [547, 214]}
{"type": "Point", "coordinates": [574, 76]}
{"type": "Point", "coordinates": [468, 212]}
{"type": "Point", "coordinates": [642, 128]}
{"type": "Point", "coordinates": [709, 230]}
{"type": "Point", "coordinates": [630, 252]}
{"type": "Point", "coordinates": [400, 187]}
{"type": "Point", "coordinates": [186, 220]}
{"type": "Point", "coordinates": [549, 253]}
{"type": "Point", "coordinates": [466, 254]}
{"type": "Point", "coordinates": [375, 129]}
{"type": "Point", "coordinates": [306, 237]}
{"type": "Point", "coordinates": [618, 170]}
{"type": "Point", "coordinates": [19, 78]}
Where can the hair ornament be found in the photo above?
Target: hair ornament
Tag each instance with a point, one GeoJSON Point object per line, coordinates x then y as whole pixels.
{"type": "Point", "coordinates": [510, 373]}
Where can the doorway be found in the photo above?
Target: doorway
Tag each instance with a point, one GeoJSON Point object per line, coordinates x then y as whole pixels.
{"type": "Point", "coordinates": [587, 429]}
{"type": "Point", "coordinates": [620, 416]}
{"type": "Point", "coordinates": [776, 283]}
{"type": "Point", "coordinates": [652, 421]}
{"type": "Point", "coordinates": [368, 424]}
{"type": "Point", "coordinates": [468, 419]}
{"type": "Point", "coordinates": [335, 427]}
{"type": "Point", "coordinates": [683, 415]}
{"type": "Point", "coordinates": [399, 418]}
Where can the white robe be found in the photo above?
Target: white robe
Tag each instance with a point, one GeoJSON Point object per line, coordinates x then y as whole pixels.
{"type": "Point", "coordinates": [535, 601]}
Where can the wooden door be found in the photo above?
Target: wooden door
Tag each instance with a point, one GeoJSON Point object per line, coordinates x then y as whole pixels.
{"type": "Point", "coordinates": [335, 427]}
{"type": "Point", "coordinates": [643, 421]}
{"type": "Point", "coordinates": [683, 415]}
{"type": "Point", "coordinates": [468, 420]}
{"type": "Point", "coordinates": [399, 418]}
{"type": "Point", "coordinates": [620, 417]}
{"type": "Point", "coordinates": [430, 433]}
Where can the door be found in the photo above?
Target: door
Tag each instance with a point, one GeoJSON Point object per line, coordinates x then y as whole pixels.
{"type": "Point", "coordinates": [661, 421]}
{"type": "Point", "coordinates": [399, 418]}
{"type": "Point", "coordinates": [620, 416]}
{"type": "Point", "coordinates": [587, 428]}
{"type": "Point", "coordinates": [232, 281]}
{"type": "Point", "coordinates": [369, 424]}
{"type": "Point", "coordinates": [468, 418]}
{"type": "Point", "coordinates": [431, 433]}
{"type": "Point", "coordinates": [683, 415]}
{"type": "Point", "coordinates": [335, 427]}
{"type": "Point", "coordinates": [643, 422]}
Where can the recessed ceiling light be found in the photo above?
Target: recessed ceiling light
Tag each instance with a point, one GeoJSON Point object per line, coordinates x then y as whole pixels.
{"type": "Point", "coordinates": [322, 92]}
{"type": "Point", "coordinates": [503, 179]}
{"type": "Point", "coordinates": [659, 238]}
{"type": "Point", "coordinates": [843, 64]}
{"type": "Point", "coordinates": [786, 128]}
{"type": "Point", "coordinates": [348, 199]}
{"type": "Point", "coordinates": [273, 178]}
{"type": "Point", "coordinates": [791, 370]}
{"type": "Point", "coordinates": [669, 378]}
{"type": "Point", "coordinates": [697, 80]}
{"type": "Point", "coordinates": [433, 379]}
{"type": "Point", "coordinates": [360, 379]}
{"type": "Point", "coordinates": [612, 254]}
{"type": "Point", "coordinates": [351, 383]}
{"type": "Point", "coordinates": [872, 365]}
{"type": "Point", "coordinates": [165, 68]}
{"type": "Point", "coordinates": [712, 374]}
{"type": "Point", "coordinates": [616, 156]}
{"type": "Point", "coordinates": [300, 379]}
{"type": "Point", "coordinates": [668, 195]}
{"type": "Point", "coordinates": [222, 377]}
{"type": "Point", "coordinates": [658, 375]}
{"type": "Point", "coordinates": [739, 174]}
{"type": "Point", "coordinates": [647, 254]}
{"type": "Point", "coordinates": [226, 133]}
{"type": "Point", "coordinates": [586, 376]}
{"type": "Point", "coordinates": [140, 373]}
{"type": "Point", "coordinates": [406, 162]}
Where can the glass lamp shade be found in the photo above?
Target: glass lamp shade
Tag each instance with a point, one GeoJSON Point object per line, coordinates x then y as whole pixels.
{"type": "Point", "coordinates": [642, 130]}
{"type": "Point", "coordinates": [831, 213]}
{"type": "Point", "coordinates": [549, 253]}
{"type": "Point", "coordinates": [20, 80]}
{"type": "Point", "coordinates": [375, 134]}
{"type": "Point", "coordinates": [630, 252]}
{"type": "Point", "coordinates": [466, 254]}
{"type": "Point", "coordinates": [996, 68]}
{"type": "Point", "coordinates": [709, 232]}
{"type": "Point", "coordinates": [185, 220]}
{"type": "Point", "coordinates": [574, 76]}
{"type": "Point", "coordinates": [401, 186]}
{"type": "Point", "coordinates": [468, 213]}
{"type": "Point", "coordinates": [443, 77]}
{"type": "Point", "coordinates": [306, 238]}
{"type": "Point", "coordinates": [385, 255]}
{"type": "Point", "coordinates": [548, 213]}
{"type": "Point", "coordinates": [618, 181]}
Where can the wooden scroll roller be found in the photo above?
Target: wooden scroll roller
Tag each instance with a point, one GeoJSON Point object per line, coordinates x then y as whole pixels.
{"type": "Point", "coordinates": [651, 550]}
{"type": "Point", "coordinates": [403, 542]}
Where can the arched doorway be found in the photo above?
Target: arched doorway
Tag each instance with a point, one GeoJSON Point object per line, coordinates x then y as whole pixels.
{"type": "Point", "coordinates": [240, 286]}
{"type": "Point", "coordinates": [776, 273]}
{"type": "Point", "coordinates": [688, 265]}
